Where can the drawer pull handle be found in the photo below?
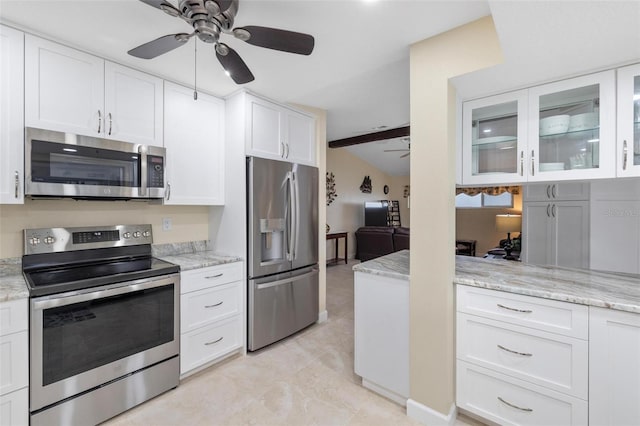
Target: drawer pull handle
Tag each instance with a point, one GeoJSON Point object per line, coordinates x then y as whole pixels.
{"type": "Point", "coordinates": [514, 352]}
{"type": "Point", "coordinates": [526, 311]}
{"type": "Point", "coordinates": [528, 410]}
{"type": "Point", "coordinates": [213, 306]}
{"type": "Point", "coordinates": [214, 342]}
{"type": "Point", "coordinates": [214, 276]}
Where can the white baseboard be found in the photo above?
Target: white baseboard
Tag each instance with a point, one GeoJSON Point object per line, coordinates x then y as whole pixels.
{"type": "Point", "coordinates": [429, 416]}
{"type": "Point", "coordinates": [323, 316]}
{"type": "Point", "coordinates": [398, 399]}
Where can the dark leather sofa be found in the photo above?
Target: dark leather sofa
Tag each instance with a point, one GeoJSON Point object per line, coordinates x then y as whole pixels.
{"type": "Point", "coordinates": [376, 241]}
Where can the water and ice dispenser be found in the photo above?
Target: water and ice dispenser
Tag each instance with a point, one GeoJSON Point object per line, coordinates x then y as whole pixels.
{"type": "Point", "coordinates": [273, 241]}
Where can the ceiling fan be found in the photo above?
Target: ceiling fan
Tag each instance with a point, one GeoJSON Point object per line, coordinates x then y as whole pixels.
{"type": "Point", "coordinates": [407, 149]}
{"type": "Point", "coordinates": [210, 19]}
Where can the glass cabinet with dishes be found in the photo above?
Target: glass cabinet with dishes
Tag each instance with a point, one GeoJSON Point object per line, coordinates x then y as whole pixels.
{"type": "Point", "coordinates": [572, 129]}
{"type": "Point", "coordinates": [493, 139]}
{"type": "Point", "coordinates": [628, 153]}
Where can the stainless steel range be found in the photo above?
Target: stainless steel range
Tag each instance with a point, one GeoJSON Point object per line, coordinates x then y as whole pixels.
{"type": "Point", "coordinates": [104, 322]}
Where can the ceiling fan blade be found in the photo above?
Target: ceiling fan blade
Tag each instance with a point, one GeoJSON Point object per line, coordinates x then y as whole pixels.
{"type": "Point", "coordinates": [405, 155]}
{"type": "Point", "coordinates": [233, 64]}
{"type": "Point", "coordinates": [159, 46]}
{"type": "Point", "coordinates": [273, 38]}
{"type": "Point", "coordinates": [224, 4]}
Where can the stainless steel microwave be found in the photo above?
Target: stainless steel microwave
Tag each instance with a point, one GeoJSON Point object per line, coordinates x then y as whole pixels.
{"type": "Point", "coordinates": [61, 164]}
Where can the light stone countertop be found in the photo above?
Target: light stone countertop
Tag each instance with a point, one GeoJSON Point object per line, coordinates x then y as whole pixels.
{"type": "Point", "coordinates": [12, 284]}
{"type": "Point", "coordinates": [394, 265]}
{"type": "Point", "coordinates": [582, 286]}
{"type": "Point", "coordinates": [190, 255]}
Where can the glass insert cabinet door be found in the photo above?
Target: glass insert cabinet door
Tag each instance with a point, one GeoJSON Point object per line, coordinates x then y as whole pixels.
{"type": "Point", "coordinates": [572, 128]}
{"type": "Point", "coordinates": [628, 154]}
{"type": "Point", "coordinates": [493, 139]}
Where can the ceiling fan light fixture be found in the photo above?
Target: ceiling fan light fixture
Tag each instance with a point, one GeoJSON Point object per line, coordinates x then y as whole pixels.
{"type": "Point", "coordinates": [169, 10]}
{"type": "Point", "coordinates": [212, 7]}
{"type": "Point", "coordinates": [241, 34]}
{"type": "Point", "coordinates": [222, 49]}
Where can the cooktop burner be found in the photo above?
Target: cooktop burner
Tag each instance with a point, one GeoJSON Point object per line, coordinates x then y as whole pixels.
{"type": "Point", "coordinates": [56, 261]}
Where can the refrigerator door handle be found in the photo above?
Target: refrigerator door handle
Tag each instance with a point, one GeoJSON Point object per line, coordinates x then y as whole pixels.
{"type": "Point", "coordinates": [286, 280]}
{"type": "Point", "coordinates": [292, 214]}
{"type": "Point", "coordinates": [296, 216]}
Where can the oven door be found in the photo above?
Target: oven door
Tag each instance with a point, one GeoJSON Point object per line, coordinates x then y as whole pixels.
{"type": "Point", "coordinates": [81, 340]}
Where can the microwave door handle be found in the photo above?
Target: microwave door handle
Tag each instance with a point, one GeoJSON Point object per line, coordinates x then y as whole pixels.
{"type": "Point", "coordinates": [142, 157]}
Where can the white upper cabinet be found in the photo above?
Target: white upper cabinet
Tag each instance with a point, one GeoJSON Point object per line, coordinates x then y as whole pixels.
{"type": "Point", "coordinates": [628, 152]}
{"type": "Point", "coordinates": [11, 116]}
{"type": "Point", "coordinates": [558, 131]}
{"type": "Point", "coordinates": [572, 128]}
{"type": "Point", "coordinates": [64, 88]}
{"type": "Point", "coordinates": [70, 91]}
{"type": "Point", "coordinates": [194, 139]}
{"type": "Point", "coordinates": [277, 132]}
{"type": "Point", "coordinates": [494, 139]}
{"type": "Point", "coordinates": [133, 104]}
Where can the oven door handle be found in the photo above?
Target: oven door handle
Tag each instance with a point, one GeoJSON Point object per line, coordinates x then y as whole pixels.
{"type": "Point", "coordinates": [113, 290]}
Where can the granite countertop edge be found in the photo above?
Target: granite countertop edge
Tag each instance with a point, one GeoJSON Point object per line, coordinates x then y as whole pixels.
{"type": "Point", "coordinates": [189, 256]}
{"type": "Point", "coordinates": [394, 265]}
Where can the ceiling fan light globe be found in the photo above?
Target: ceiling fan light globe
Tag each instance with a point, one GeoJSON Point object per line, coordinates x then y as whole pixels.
{"type": "Point", "coordinates": [169, 10]}
{"type": "Point", "coordinates": [241, 34]}
{"type": "Point", "coordinates": [212, 7]}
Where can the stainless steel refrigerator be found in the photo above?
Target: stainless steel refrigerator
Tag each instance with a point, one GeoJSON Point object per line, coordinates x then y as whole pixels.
{"type": "Point", "coordinates": [282, 203]}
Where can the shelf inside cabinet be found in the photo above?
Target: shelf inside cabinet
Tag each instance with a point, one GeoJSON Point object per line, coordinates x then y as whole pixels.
{"type": "Point", "coordinates": [576, 133]}
{"type": "Point", "coordinates": [494, 140]}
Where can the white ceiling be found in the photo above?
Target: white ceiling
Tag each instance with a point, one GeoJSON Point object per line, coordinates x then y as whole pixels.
{"type": "Point", "coordinates": [359, 70]}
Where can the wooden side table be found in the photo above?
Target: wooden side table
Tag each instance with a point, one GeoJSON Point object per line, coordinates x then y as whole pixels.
{"type": "Point", "coordinates": [466, 247]}
{"type": "Point", "coordinates": [336, 236]}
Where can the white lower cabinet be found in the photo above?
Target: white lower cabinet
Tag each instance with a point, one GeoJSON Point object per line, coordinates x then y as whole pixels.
{"type": "Point", "coordinates": [14, 365]}
{"type": "Point", "coordinates": [381, 336]}
{"type": "Point", "coordinates": [614, 367]}
{"type": "Point", "coordinates": [521, 359]}
{"type": "Point", "coordinates": [211, 315]}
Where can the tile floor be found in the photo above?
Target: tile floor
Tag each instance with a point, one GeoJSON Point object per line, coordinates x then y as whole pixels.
{"type": "Point", "coordinates": [305, 380]}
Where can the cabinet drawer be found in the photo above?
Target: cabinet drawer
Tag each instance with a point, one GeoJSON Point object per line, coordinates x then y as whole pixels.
{"type": "Point", "coordinates": [563, 318]}
{"type": "Point", "coordinates": [14, 367]}
{"type": "Point", "coordinates": [556, 362]}
{"type": "Point", "coordinates": [14, 408]}
{"type": "Point", "coordinates": [201, 307]}
{"type": "Point", "coordinates": [208, 343]}
{"type": "Point", "coordinates": [13, 316]}
{"type": "Point", "coordinates": [198, 279]}
{"type": "Point", "coordinates": [510, 401]}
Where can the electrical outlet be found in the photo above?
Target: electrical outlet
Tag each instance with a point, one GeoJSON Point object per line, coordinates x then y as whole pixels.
{"type": "Point", "coordinates": [166, 224]}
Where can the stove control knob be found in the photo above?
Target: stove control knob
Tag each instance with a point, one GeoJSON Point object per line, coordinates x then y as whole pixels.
{"type": "Point", "coordinates": [49, 240]}
{"type": "Point", "coordinates": [34, 241]}
{"type": "Point", "coordinates": [127, 235]}
{"type": "Point", "coordinates": [136, 234]}
{"type": "Point", "coordinates": [146, 234]}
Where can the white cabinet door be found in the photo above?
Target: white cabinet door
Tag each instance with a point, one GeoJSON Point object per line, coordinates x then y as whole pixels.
{"type": "Point", "coordinates": [14, 408]}
{"type": "Point", "coordinates": [300, 138]}
{"type": "Point", "coordinates": [11, 116]}
{"type": "Point", "coordinates": [536, 233]}
{"type": "Point", "coordinates": [64, 88]}
{"type": "Point", "coordinates": [570, 221]}
{"type": "Point", "coordinates": [614, 367]}
{"type": "Point", "coordinates": [572, 128]}
{"type": "Point", "coordinates": [494, 135]}
{"type": "Point", "coordinates": [194, 139]}
{"type": "Point", "coordinates": [628, 153]}
{"type": "Point", "coordinates": [14, 363]}
{"type": "Point", "coordinates": [264, 134]}
{"type": "Point", "coordinates": [133, 105]}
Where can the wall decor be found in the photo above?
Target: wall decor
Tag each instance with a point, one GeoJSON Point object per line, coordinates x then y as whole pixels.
{"type": "Point", "coordinates": [331, 188]}
{"type": "Point", "coordinates": [366, 185]}
{"type": "Point", "coordinates": [386, 189]}
{"type": "Point", "coordinates": [406, 191]}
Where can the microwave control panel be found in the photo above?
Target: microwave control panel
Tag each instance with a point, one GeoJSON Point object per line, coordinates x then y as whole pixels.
{"type": "Point", "coordinates": [155, 171]}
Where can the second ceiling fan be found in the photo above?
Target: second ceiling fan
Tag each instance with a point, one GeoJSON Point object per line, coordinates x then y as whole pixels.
{"type": "Point", "coordinates": [212, 18]}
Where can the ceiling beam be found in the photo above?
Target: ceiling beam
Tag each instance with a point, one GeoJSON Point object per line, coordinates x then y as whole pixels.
{"type": "Point", "coordinates": [371, 137]}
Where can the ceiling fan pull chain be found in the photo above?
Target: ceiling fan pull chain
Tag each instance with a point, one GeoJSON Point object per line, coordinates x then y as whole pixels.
{"type": "Point", "coordinates": [195, 69]}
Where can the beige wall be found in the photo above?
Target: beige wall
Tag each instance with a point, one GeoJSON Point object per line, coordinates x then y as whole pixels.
{"type": "Point", "coordinates": [188, 223]}
{"type": "Point", "coordinates": [480, 225]}
{"type": "Point", "coordinates": [346, 212]}
{"type": "Point", "coordinates": [433, 128]}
